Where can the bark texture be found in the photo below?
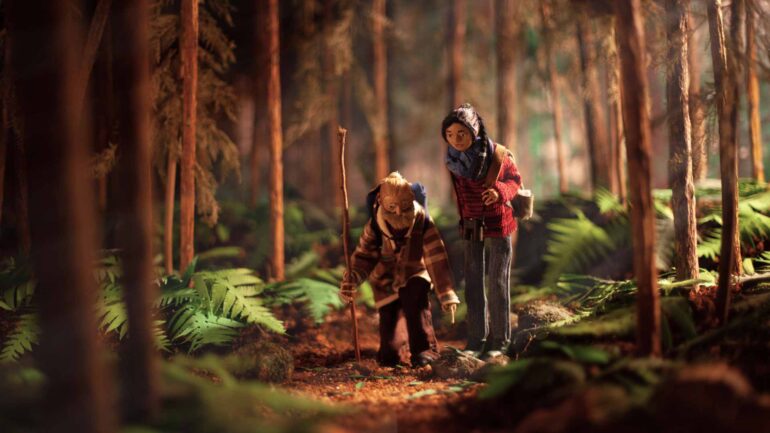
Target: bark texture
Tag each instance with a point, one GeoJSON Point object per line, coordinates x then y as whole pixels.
{"type": "Point", "coordinates": [506, 31]}
{"type": "Point", "coordinates": [93, 40]}
{"type": "Point", "coordinates": [727, 113]}
{"type": "Point", "coordinates": [276, 141]}
{"type": "Point", "coordinates": [141, 400]}
{"type": "Point", "coordinates": [630, 35]}
{"type": "Point", "coordinates": [332, 90]}
{"type": "Point", "coordinates": [680, 150]}
{"type": "Point", "coordinates": [380, 66]}
{"type": "Point", "coordinates": [617, 135]}
{"type": "Point", "coordinates": [455, 39]}
{"type": "Point", "coordinates": [752, 94]}
{"type": "Point", "coordinates": [261, 57]}
{"type": "Point", "coordinates": [697, 110]}
{"type": "Point", "coordinates": [77, 394]}
{"type": "Point", "coordinates": [168, 226]}
{"type": "Point", "coordinates": [189, 51]}
{"type": "Point", "coordinates": [596, 134]}
{"type": "Point", "coordinates": [546, 15]}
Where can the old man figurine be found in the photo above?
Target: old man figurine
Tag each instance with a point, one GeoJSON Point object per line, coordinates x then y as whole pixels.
{"type": "Point", "coordinates": [403, 256]}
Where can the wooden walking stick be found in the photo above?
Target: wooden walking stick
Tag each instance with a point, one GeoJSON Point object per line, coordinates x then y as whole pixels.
{"type": "Point", "coordinates": [341, 134]}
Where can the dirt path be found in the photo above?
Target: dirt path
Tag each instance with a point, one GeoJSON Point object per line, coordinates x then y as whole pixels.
{"type": "Point", "coordinates": [400, 399]}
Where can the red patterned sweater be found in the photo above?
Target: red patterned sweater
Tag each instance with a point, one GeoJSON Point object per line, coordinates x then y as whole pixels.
{"type": "Point", "coordinates": [498, 217]}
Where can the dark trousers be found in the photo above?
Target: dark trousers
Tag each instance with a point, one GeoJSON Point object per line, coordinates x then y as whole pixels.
{"type": "Point", "coordinates": [488, 310]}
{"type": "Point", "coordinates": [407, 319]}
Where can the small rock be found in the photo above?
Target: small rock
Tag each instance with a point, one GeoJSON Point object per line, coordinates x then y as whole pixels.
{"type": "Point", "coordinates": [264, 361]}
{"type": "Point", "coordinates": [540, 313]}
{"type": "Point", "coordinates": [454, 364]}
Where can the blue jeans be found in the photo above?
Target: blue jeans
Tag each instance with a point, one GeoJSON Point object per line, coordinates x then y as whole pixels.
{"type": "Point", "coordinates": [488, 310]}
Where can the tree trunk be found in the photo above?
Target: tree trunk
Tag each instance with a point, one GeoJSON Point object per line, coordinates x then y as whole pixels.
{"type": "Point", "coordinates": [752, 92]}
{"type": "Point", "coordinates": [261, 57]}
{"type": "Point", "coordinates": [103, 107]}
{"type": "Point", "coordinates": [5, 93]}
{"type": "Point", "coordinates": [727, 113]}
{"type": "Point", "coordinates": [455, 42]}
{"type": "Point", "coordinates": [381, 140]}
{"type": "Point", "coordinates": [189, 51]}
{"type": "Point", "coordinates": [697, 109]}
{"type": "Point", "coordinates": [93, 41]}
{"type": "Point", "coordinates": [141, 400]}
{"type": "Point", "coordinates": [553, 90]}
{"type": "Point", "coordinates": [168, 226]}
{"type": "Point", "coordinates": [506, 32]}
{"type": "Point", "coordinates": [276, 141]}
{"type": "Point", "coordinates": [332, 84]}
{"type": "Point", "coordinates": [630, 34]}
{"type": "Point", "coordinates": [76, 396]}
{"type": "Point", "coordinates": [22, 196]}
{"type": "Point", "coordinates": [616, 121]}
{"type": "Point", "coordinates": [680, 151]}
{"type": "Point", "coordinates": [596, 134]}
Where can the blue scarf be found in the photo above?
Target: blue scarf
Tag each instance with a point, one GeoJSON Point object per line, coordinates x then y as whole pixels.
{"type": "Point", "coordinates": [472, 163]}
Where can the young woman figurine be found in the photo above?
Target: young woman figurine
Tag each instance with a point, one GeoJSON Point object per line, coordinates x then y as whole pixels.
{"type": "Point", "coordinates": [485, 179]}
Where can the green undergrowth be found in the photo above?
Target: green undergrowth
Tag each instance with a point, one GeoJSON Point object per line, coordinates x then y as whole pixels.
{"type": "Point", "coordinates": [198, 395]}
{"type": "Point", "coordinates": [198, 309]}
{"type": "Point", "coordinates": [578, 243]}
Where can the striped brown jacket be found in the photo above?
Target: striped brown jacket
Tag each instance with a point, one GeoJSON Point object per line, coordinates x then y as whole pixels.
{"type": "Point", "coordinates": [389, 264]}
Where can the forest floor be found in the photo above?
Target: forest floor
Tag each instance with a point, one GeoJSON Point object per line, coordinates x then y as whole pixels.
{"type": "Point", "coordinates": [380, 399]}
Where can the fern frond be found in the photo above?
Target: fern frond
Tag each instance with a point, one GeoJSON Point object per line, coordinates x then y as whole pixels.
{"type": "Point", "coordinates": [111, 311]}
{"type": "Point", "coordinates": [16, 285]}
{"type": "Point", "coordinates": [574, 245]}
{"type": "Point", "coordinates": [233, 294]}
{"type": "Point", "coordinates": [608, 202]}
{"type": "Point", "coordinates": [318, 297]}
{"type": "Point", "coordinates": [208, 329]}
{"type": "Point", "coordinates": [20, 341]}
{"type": "Point", "coordinates": [160, 339]}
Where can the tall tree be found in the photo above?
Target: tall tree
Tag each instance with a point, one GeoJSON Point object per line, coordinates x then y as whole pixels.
{"type": "Point", "coordinates": [616, 118]}
{"type": "Point", "coordinates": [261, 57]}
{"type": "Point", "coordinates": [596, 134]}
{"type": "Point", "coordinates": [62, 223]}
{"type": "Point", "coordinates": [727, 114]}
{"type": "Point", "coordinates": [680, 150]}
{"type": "Point", "coordinates": [752, 94]}
{"type": "Point", "coordinates": [102, 109]}
{"type": "Point", "coordinates": [697, 107]}
{"type": "Point", "coordinates": [381, 141]}
{"type": "Point", "coordinates": [275, 139]}
{"type": "Point", "coordinates": [332, 90]}
{"type": "Point", "coordinates": [630, 34]}
{"type": "Point", "coordinates": [91, 49]}
{"type": "Point", "coordinates": [189, 52]}
{"type": "Point", "coordinates": [455, 41]}
{"type": "Point", "coordinates": [506, 32]}
{"type": "Point", "coordinates": [546, 15]}
{"type": "Point", "coordinates": [5, 89]}
{"type": "Point", "coordinates": [139, 358]}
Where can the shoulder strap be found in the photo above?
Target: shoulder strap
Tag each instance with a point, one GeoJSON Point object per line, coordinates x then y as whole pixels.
{"type": "Point", "coordinates": [497, 164]}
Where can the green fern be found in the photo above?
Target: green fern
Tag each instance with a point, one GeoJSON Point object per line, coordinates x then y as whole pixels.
{"type": "Point", "coordinates": [608, 203]}
{"type": "Point", "coordinates": [575, 244]}
{"type": "Point", "coordinates": [21, 339]}
{"type": "Point", "coordinates": [318, 297]}
{"type": "Point", "coordinates": [199, 328]}
{"type": "Point", "coordinates": [16, 285]}
{"type": "Point", "coordinates": [219, 303]}
{"type": "Point", "coordinates": [710, 244]}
